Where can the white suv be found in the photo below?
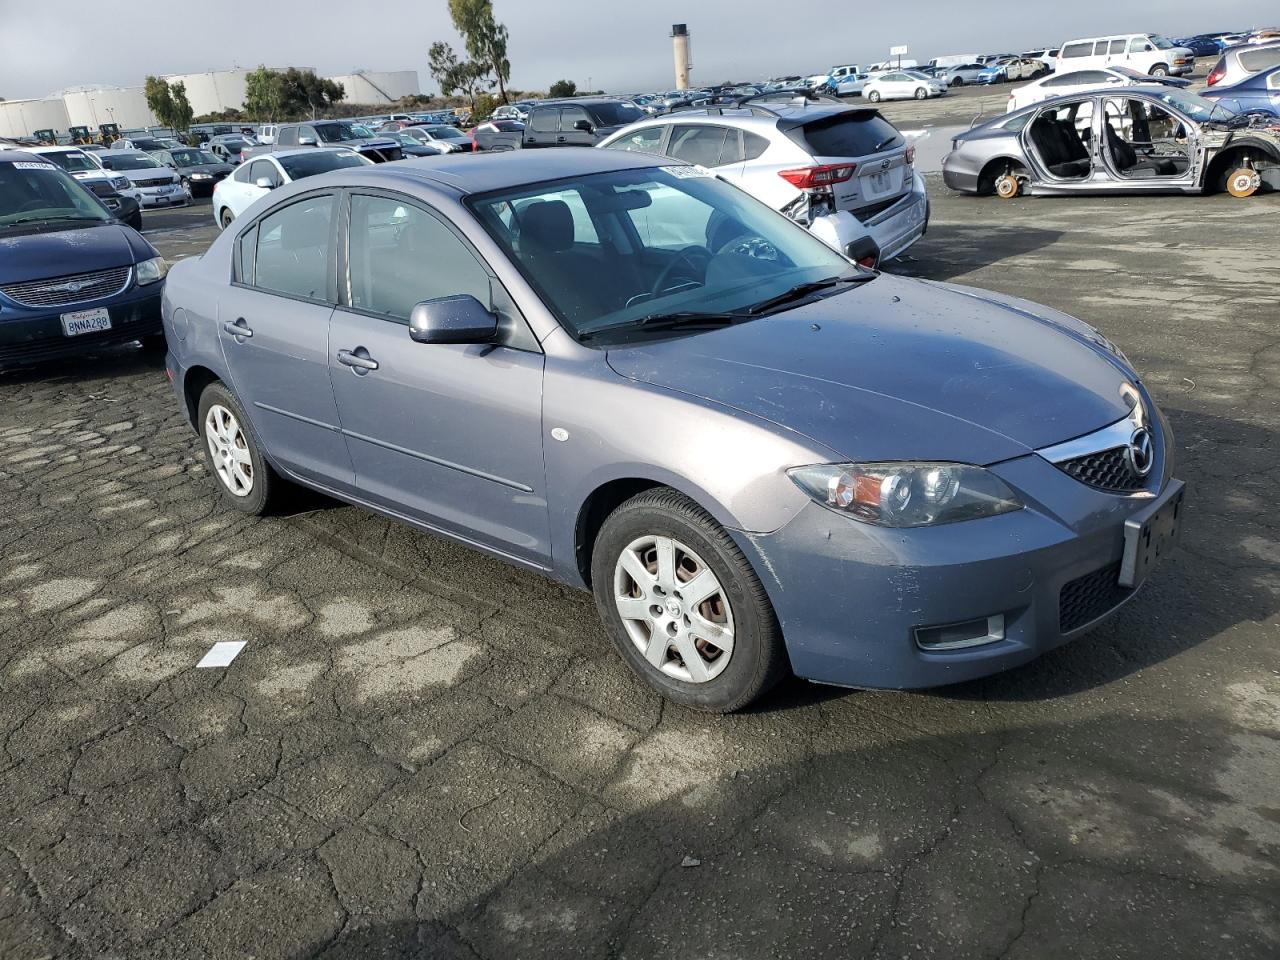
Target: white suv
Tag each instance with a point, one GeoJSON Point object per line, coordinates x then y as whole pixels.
{"type": "Point", "coordinates": [846, 173]}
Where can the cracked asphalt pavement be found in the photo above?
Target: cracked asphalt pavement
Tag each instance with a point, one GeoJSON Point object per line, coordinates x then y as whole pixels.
{"type": "Point", "coordinates": [422, 752]}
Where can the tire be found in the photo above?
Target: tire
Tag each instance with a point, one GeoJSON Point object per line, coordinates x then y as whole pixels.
{"type": "Point", "coordinates": [225, 217]}
{"type": "Point", "coordinates": [186, 185]}
{"type": "Point", "coordinates": [921, 93]}
{"type": "Point", "coordinates": [1159, 70]}
{"type": "Point", "coordinates": [725, 678]}
{"type": "Point", "coordinates": [956, 82]}
{"type": "Point", "coordinates": [264, 488]}
{"type": "Point", "coordinates": [136, 221]}
{"type": "Point", "coordinates": [874, 96]}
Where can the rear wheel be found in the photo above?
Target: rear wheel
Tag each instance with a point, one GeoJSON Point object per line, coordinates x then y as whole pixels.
{"type": "Point", "coordinates": [683, 606]}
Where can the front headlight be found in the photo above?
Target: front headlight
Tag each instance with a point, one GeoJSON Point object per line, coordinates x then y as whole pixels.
{"type": "Point", "coordinates": [200, 176]}
{"type": "Point", "coordinates": [120, 183]}
{"type": "Point", "coordinates": [907, 494]}
{"type": "Point", "coordinates": [150, 271]}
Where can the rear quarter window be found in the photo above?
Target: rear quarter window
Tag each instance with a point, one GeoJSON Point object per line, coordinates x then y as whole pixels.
{"type": "Point", "coordinates": [1256, 60]}
{"type": "Point", "coordinates": [851, 134]}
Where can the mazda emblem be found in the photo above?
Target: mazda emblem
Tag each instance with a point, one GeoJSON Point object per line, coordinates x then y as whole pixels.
{"type": "Point", "coordinates": [1139, 454]}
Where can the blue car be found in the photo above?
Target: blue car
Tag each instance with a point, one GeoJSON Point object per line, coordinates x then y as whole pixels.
{"type": "Point", "coordinates": [72, 276]}
{"type": "Point", "coordinates": [759, 456]}
{"type": "Point", "coordinates": [1259, 93]}
{"type": "Point", "coordinates": [1203, 46]}
{"type": "Point", "coordinates": [993, 73]}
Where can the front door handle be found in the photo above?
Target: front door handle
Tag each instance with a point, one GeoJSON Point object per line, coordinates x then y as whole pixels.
{"type": "Point", "coordinates": [559, 139]}
{"type": "Point", "coordinates": [358, 359]}
{"type": "Point", "coordinates": [240, 330]}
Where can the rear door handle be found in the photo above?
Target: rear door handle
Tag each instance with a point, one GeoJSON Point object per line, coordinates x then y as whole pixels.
{"type": "Point", "coordinates": [357, 359]}
{"type": "Point", "coordinates": [559, 139]}
{"type": "Point", "coordinates": [239, 329]}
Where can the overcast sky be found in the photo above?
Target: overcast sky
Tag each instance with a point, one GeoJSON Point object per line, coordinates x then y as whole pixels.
{"type": "Point", "coordinates": [621, 46]}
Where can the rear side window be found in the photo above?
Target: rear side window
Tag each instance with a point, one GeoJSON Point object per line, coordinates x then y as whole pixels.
{"type": "Point", "coordinates": [293, 250]}
{"type": "Point", "coordinates": [545, 120]}
{"type": "Point", "coordinates": [1117, 46]}
{"type": "Point", "coordinates": [1077, 50]}
{"type": "Point", "coordinates": [849, 134]}
{"type": "Point", "coordinates": [644, 140]}
{"type": "Point", "coordinates": [697, 144]}
{"type": "Point", "coordinates": [753, 145]}
{"type": "Point", "coordinates": [1257, 60]}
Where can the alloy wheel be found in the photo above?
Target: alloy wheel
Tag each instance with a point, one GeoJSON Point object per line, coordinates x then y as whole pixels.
{"type": "Point", "coordinates": [229, 450]}
{"type": "Point", "coordinates": [674, 609]}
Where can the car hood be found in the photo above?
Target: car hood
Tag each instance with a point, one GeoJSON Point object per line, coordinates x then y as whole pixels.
{"type": "Point", "coordinates": [152, 173]}
{"type": "Point", "coordinates": [35, 256]}
{"type": "Point", "coordinates": [902, 369]}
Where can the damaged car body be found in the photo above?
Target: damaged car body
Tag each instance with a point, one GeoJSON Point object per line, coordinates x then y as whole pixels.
{"type": "Point", "coordinates": [1131, 140]}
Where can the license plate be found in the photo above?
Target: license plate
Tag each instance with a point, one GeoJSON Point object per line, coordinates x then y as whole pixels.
{"type": "Point", "coordinates": [1151, 534]}
{"type": "Point", "coordinates": [879, 184]}
{"type": "Point", "coordinates": [86, 321]}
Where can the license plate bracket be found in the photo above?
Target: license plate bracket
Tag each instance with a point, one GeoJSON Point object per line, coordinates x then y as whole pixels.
{"type": "Point", "coordinates": [1150, 534]}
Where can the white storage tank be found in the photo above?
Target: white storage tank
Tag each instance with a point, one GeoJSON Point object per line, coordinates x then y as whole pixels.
{"type": "Point", "coordinates": [21, 118]}
{"type": "Point", "coordinates": [93, 106]}
{"type": "Point", "coordinates": [216, 90]}
{"type": "Point", "coordinates": [370, 86]}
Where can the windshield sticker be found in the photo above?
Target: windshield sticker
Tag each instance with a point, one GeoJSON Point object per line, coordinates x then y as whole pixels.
{"type": "Point", "coordinates": [685, 172]}
{"type": "Point", "coordinates": [31, 165]}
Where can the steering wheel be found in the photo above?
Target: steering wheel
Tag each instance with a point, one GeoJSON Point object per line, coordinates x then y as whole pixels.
{"type": "Point", "coordinates": [688, 257]}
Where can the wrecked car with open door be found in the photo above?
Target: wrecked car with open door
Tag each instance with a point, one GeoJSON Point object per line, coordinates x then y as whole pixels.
{"type": "Point", "coordinates": [1130, 140]}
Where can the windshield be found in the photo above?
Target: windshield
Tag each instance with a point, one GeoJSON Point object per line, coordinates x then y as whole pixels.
{"type": "Point", "coordinates": [1161, 43]}
{"type": "Point", "coordinates": [192, 158]}
{"type": "Point", "coordinates": [616, 114]}
{"type": "Point", "coordinates": [35, 192]}
{"type": "Point", "coordinates": [133, 161]}
{"type": "Point", "coordinates": [343, 132]}
{"type": "Point", "coordinates": [445, 133]}
{"type": "Point", "coordinates": [916, 74]}
{"type": "Point", "coordinates": [612, 248]}
{"type": "Point", "coordinates": [308, 164]}
{"type": "Point", "coordinates": [74, 162]}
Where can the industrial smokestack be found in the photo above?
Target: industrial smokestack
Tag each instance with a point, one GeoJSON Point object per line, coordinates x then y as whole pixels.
{"type": "Point", "coordinates": [683, 54]}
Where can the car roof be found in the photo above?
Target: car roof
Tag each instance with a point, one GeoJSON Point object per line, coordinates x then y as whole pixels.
{"type": "Point", "coordinates": [15, 156]}
{"type": "Point", "coordinates": [54, 148]}
{"type": "Point", "coordinates": [480, 173]}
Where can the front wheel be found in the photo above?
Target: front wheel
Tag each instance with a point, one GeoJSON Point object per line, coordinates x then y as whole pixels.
{"type": "Point", "coordinates": [225, 218]}
{"type": "Point", "coordinates": [683, 606]}
{"type": "Point", "coordinates": [1159, 70]}
{"type": "Point", "coordinates": [874, 96]}
{"type": "Point", "coordinates": [1243, 182]}
{"type": "Point", "coordinates": [244, 478]}
{"type": "Point", "coordinates": [921, 93]}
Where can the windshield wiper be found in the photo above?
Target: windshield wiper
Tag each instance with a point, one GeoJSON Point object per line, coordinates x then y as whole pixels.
{"type": "Point", "coordinates": [802, 290]}
{"type": "Point", "coordinates": [885, 142]}
{"type": "Point", "coordinates": [668, 321]}
{"type": "Point", "coordinates": [52, 220]}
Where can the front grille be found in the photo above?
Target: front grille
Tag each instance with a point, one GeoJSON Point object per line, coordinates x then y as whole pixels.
{"type": "Point", "coordinates": [157, 182]}
{"type": "Point", "coordinates": [76, 288]}
{"type": "Point", "coordinates": [101, 188]}
{"type": "Point", "coordinates": [1087, 598]}
{"type": "Point", "coordinates": [1105, 470]}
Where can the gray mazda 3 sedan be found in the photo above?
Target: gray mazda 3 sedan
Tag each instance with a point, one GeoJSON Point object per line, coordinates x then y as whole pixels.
{"type": "Point", "coordinates": [626, 374]}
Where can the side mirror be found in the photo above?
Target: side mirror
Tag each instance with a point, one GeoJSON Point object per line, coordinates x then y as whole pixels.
{"type": "Point", "coordinates": [306, 141]}
{"type": "Point", "coordinates": [266, 183]}
{"type": "Point", "coordinates": [107, 164]}
{"type": "Point", "coordinates": [584, 125]}
{"type": "Point", "coordinates": [461, 319]}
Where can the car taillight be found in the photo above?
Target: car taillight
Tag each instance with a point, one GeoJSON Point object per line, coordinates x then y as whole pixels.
{"type": "Point", "coordinates": [824, 175]}
{"type": "Point", "coordinates": [911, 154]}
{"type": "Point", "coordinates": [1218, 73]}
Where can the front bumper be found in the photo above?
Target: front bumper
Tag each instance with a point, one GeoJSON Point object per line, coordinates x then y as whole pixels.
{"type": "Point", "coordinates": [31, 335]}
{"type": "Point", "coordinates": [850, 597]}
{"type": "Point", "coordinates": [152, 197]}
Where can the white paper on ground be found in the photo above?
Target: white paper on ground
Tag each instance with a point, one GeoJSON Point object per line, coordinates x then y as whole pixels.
{"type": "Point", "coordinates": [222, 653]}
